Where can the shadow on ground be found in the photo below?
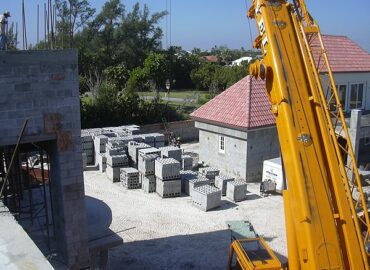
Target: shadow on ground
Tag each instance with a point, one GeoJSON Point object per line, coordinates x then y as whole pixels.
{"type": "Point", "coordinates": [196, 251]}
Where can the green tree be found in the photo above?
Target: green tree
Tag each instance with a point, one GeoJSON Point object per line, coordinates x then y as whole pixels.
{"type": "Point", "coordinates": [118, 75]}
{"type": "Point", "coordinates": [73, 15]}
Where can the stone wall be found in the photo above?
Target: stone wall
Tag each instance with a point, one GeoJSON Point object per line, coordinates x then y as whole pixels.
{"type": "Point", "coordinates": [185, 129]}
{"type": "Point", "coordinates": [42, 86]}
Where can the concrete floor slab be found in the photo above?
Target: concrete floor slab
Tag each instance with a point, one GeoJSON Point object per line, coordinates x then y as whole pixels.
{"type": "Point", "coordinates": [17, 250]}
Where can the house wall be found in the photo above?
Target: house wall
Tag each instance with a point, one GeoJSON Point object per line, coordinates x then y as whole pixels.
{"type": "Point", "coordinates": [262, 144]}
{"type": "Point", "coordinates": [234, 160]}
{"type": "Point", "coordinates": [355, 77]}
{"type": "Point", "coordinates": [244, 151]}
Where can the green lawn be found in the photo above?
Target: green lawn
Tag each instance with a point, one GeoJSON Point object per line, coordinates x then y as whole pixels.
{"type": "Point", "coordinates": [193, 94]}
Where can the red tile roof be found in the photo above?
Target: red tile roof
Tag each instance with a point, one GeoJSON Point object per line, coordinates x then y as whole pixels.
{"type": "Point", "coordinates": [344, 54]}
{"type": "Point", "coordinates": [244, 105]}
{"type": "Point", "coordinates": [211, 58]}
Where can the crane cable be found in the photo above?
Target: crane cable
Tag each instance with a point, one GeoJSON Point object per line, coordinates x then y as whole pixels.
{"type": "Point", "coordinates": [249, 23]}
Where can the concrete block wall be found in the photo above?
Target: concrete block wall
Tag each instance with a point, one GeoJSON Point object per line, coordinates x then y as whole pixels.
{"type": "Point", "coordinates": [34, 84]}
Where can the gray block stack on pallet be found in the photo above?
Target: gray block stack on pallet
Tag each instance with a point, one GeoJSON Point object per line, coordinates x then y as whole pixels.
{"type": "Point", "coordinates": [194, 183]}
{"type": "Point", "coordinates": [171, 152]}
{"type": "Point", "coordinates": [114, 164]}
{"type": "Point", "coordinates": [133, 152]}
{"type": "Point", "coordinates": [210, 173]}
{"type": "Point", "coordinates": [236, 190]}
{"type": "Point", "coordinates": [148, 139]}
{"type": "Point", "coordinates": [99, 143]}
{"type": "Point", "coordinates": [221, 182]}
{"type": "Point", "coordinates": [146, 167]}
{"type": "Point", "coordinates": [87, 147]}
{"type": "Point", "coordinates": [101, 160]}
{"type": "Point", "coordinates": [168, 182]}
{"type": "Point", "coordinates": [206, 197]}
{"type": "Point", "coordinates": [159, 139]}
{"type": "Point", "coordinates": [187, 162]}
{"type": "Point", "coordinates": [186, 176]}
{"type": "Point", "coordinates": [130, 178]}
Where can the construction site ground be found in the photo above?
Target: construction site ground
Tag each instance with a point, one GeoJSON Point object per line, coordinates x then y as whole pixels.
{"type": "Point", "coordinates": [172, 233]}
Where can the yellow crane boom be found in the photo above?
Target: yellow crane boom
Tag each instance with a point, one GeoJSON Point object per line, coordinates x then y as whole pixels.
{"type": "Point", "coordinates": [327, 227]}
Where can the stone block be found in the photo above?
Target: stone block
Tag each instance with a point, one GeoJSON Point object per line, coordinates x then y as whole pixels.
{"type": "Point", "coordinates": [130, 178]}
{"type": "Point", "coordinates": [146, 164]}
{"type": "Point", "coordinates": [168, 189]}
{"type": "Point", "coordinates": [113, 173]}
{"type": "Point", "coordinates": [236, 190]}
{"type": "Point", "coordinates": [206, 197]}
{"type": "Point", "coordinates": [187, 162]}
{"type": "Point", "coordinates": [148, 183]}
{"type": "Point", "coordinates": [171, 152]}
{"type": "Point", "coordinates": [167, 168]}
{"type": "Point", "coordinates": [221, 182]}
{"type": "Point", "coordinates": [193, 183]}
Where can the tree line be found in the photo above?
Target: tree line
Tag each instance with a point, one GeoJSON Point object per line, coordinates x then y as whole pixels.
{"type": "Point", "coordinates": [120, 55]}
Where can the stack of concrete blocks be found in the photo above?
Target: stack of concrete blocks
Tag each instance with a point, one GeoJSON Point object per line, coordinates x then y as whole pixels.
{"type": "Point", "coordinates": [168, 182]}
{"type": "Point", "coordinates": [187, 162]}
{"type": "Point", "coordinates": [171, 152]}
{"type": "Point", "coordinates": [88, 147]}
{"type": "Point", "coordinates": [236, 190]}
{"type": "Point", "coordinates": [206, 197]}
{"type": "Point", "coordinates": [186, 176]}
{"type": "Point", "coordinates": [146, 166]}
{"type": "Point", "coordinates": [221, 182]}
{"type": "Point", "coordinates": [133, 152]}
{"type": "Point", "coordinates": [114, 164]}
{"type": "Point", "coordinates": [99, 143]}
{"type": "Point", "coordinates": [159, 139]}
{"type": "Point", "coordinates": [130, 178]}
{"type": "Point", "coordinates": [210, 173]}
{"type": "Point", "coordinates": [194, 183]}
{"type": "Point", "coordinates": [148, 139]}
{"type": "Point", "coordinates": [101, 160]}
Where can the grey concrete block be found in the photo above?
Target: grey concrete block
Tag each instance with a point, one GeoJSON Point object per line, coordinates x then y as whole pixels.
{"type": "Point", "coordinates": [167, 168]}
{"type": "Point", "coordinates": [187, 162]}
{"type": "Point", "coordinates": [236, 190]}
{"type": "Point", "coordinates": [146, 164]}
{"type": "Point", "coordinates": [101, 160]}
{"type": "Point", "coordinates": [185, 177]}
{"type": "Point", "coordinates": [193, 183]}
{"type": "Point", "coordinates": [130, 178]}
{"type": "Point", "coordinates": [148, 183]}
{"type": "Point", "coordinates": [206, 197]}
{"type": "Point", "coordinates": [168, 189]}
{"type": "Point", "coordinates": [221, 182]}
{"type": "Point", "coordinates": [113, 173]}
{"type": "Point", "coordinates": [171, 152]}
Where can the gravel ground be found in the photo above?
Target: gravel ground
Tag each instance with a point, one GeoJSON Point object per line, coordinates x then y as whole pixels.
{"type": "Point", "coordinates": [172, 233]}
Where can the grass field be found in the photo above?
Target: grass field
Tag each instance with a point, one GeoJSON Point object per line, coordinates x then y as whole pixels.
{"type": "Point", "coordinates": [185, 94]}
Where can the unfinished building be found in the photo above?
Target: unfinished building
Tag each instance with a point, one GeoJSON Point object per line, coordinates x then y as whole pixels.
{"type": "Point", "coordinates": [39, 90]}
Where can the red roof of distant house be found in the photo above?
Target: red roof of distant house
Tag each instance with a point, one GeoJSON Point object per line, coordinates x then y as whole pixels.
{"type": "Point", "coordinates": [244, 105]}
{"type": "Point", "coordinates": [211, 58]}
{"type": "Point", "coordinates": [344, 54]}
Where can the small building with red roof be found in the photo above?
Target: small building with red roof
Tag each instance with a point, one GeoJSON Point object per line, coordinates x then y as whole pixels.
{"type": "Point", "coordinates": [237, 129]}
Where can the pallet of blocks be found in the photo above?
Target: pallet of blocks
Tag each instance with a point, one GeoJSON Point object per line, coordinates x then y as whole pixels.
{"type": "Point", "coordinates": [148, 183]}
{"type": "Point", "coordinates": [130, 178]}
{"type": "Point", "coordinates": [186, 176]}
{"type": "Point", "coordinates": [206, 197]}
{"type": "Point", "coordinates": [146, 167]}
{"type": "Point", "coordinates": [87, 147]}
{"type": "Point", "coordinates": [114, 164]}
{"type": "Point", "coordinates": [168, 182]}
{"type": "Point", "coordinates": [171, 152]}
{"type": "Point", "coordinates": [187, 162]}
{"type": "Point", "coordinates": [221, 182]}
{"type": "Point", "coordinates": [133, 152]}
{"type": "Point", "coordinates": [210, 173]}
{"type": "Point", "coordinates": [236, 190]}
{"type": "Point", "coordinates": [193, 183]}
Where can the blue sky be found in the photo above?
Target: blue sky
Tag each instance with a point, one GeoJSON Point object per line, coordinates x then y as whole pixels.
{"type": "Point", "coordinates": [205, 23]}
